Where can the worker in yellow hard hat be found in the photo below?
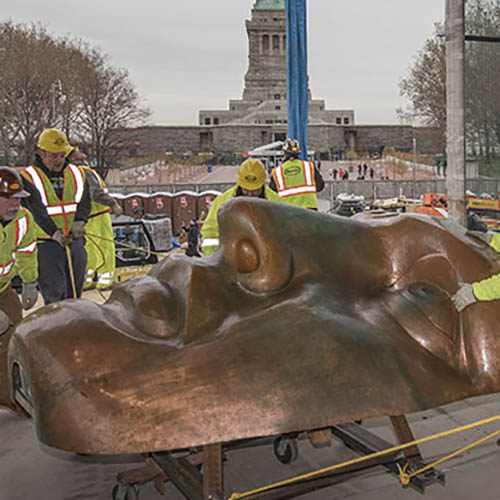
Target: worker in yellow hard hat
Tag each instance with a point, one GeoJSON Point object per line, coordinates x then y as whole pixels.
{"type": "Point", "coordinates": [18, 255]}
{"type": "Point", "coordinates": [484, 290]}
{"type": "Point", "coordinates": [296, 181]}
{"type": "Point", "coordinates": [99, 244]}
{"type": "Point", "coordinates": [251, 182]}
{"type": "Point", "coordinates": [60, 204]}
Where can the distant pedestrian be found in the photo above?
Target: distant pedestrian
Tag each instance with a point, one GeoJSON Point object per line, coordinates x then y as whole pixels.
{"type": "Point", "coordinates": [438, 167]}
{"type": "Point", "coordinates": [335, 172]}
{"type": "Point", "coordinates": [372, 173]}
{"type": "Point", "coordinates": [193, 237]}
{"type": "Point", "coordinates": [341, 174]}
{"type": "Point", "coordinates": [365, 169]}
{"type": "Point", "coordinates": [359, 171]}
{"type": "Point", "coordinates": [345, 177]}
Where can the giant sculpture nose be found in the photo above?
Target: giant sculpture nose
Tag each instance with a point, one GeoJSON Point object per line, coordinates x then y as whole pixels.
{"type": "Point", "coordinates": [270, 245]}
{"type": "Point", "coordinates": [261, 262]}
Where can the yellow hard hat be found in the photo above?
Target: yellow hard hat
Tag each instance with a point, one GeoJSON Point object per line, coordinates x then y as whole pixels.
{"type": "Point", "coordinates": [53, 140]}
{"type": "Point", "coordinates": [251, 175]}
{"type": "Point", "coordinates": [70, 149]}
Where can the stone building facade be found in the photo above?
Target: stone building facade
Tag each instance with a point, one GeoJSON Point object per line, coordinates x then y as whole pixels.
{"type": "Point", "coordinates": [264, 94]}
{"type": "Point", "coordinates": [259, 118]}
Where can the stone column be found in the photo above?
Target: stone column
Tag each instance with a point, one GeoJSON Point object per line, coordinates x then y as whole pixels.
{"type": "Point", "coordinates": [455, 140]}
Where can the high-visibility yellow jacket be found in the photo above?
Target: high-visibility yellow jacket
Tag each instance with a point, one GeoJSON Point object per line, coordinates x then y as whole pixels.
{"type": "Point", "coordinates": [489, 289]}
{"type": "Point", "coordinates": [97, 208]}
{"type": "Point", "coordinates": [210, 229]}
{"type": "Point", "coordinates": [62, 212]}
{"type": "Point", "coordinates": [18, 250]}
{"type": "Point", "coordinates": [295, 183]}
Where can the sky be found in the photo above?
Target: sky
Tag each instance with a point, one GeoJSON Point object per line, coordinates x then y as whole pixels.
{"type": "Point", "coordinates": [183, 56]}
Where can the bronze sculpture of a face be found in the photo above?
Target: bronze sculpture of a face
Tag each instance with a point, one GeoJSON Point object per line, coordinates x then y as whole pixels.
{"type": "Point", "coordinates": [301, 320]}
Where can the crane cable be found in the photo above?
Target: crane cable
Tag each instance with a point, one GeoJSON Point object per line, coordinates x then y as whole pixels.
{"type": "Point", "coordinates": [71, 272]}
{"type": "Point", "coordinates": [127, 245]}
{"type": "Point", "coordinates": [91, 236]}
{"type": "Point", "coordinates": [101, 264]}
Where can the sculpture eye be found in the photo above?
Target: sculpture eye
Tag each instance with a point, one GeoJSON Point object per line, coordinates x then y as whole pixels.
{"type": "Point", "coordinates": [152, 305]}
{"type": "Point", "coordinates": [424, 291]}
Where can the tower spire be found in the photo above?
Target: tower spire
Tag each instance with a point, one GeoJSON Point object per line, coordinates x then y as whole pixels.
{"type": "Point", "coordinates": [269, 5]}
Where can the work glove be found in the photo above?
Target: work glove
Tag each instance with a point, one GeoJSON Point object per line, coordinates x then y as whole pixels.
{"type": "Point", "coordinates": [77, 229]}
{"type": "Point", "coordinates": [29, 295]}
{"type": "Point", "coordinates": [464, 297]}
{"type": "Point", "coordinates": [480, 235]}
{"type": "Point", "coordinates": [4, 322]}
{"type": "Point", "coordinates": [61, 239]}
{"type": "Point", "coordinates": [117, 209]}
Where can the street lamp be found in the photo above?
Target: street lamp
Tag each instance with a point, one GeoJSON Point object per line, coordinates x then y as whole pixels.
{"type": "Point", "coordinates": [56, 92]}
{"type": "Point", "coordinates": [414, 167]}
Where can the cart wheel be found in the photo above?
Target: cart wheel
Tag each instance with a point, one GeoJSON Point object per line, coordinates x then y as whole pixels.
{"type": "Point", "coordinates": [125, 492]}
{"type": "Point", "coordinates": [286, 449]}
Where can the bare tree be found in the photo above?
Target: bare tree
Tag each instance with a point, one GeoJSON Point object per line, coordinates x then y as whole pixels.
{"type": "Point", "coordinates": [109, 101]}
{"type": "Point", "coordinates": [28, 60]}
{"type": "Point", "coordinates": [74, 64]}
{"type": "Point", "coordinates": [425, 85]}
{"type": "Point", "coordinates": [482, 74]}
{"type": "Point", "coordinates": [49, 81]}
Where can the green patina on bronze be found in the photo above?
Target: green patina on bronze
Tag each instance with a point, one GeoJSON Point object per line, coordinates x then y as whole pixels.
{"type": "Point", "coordinates": [269, 5]}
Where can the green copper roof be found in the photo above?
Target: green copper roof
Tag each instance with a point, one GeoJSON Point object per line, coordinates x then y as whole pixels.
{"type": "Point", "coordinates": [269, 4]}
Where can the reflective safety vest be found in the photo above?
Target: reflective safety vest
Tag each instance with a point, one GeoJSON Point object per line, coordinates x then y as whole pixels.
{"type": "Point", "coordinates": [62, 212]}
{"type": "Point", "coordinates": [295, 183]}
{"type": "Point", "coordinates": [489, 289]}
{"type": "Point", "coordinates": [97, 208]}
{"type": "Point", "coordinates": [18, 250]}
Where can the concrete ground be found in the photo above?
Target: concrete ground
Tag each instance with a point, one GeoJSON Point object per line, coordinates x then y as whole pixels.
{"type": "Point", "coordinates": [227, 173]}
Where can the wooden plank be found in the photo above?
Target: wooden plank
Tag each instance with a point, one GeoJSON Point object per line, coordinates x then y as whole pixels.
{"type": "Point", "coordinates": [213, 485]}
{"type": "Point", "coordinates": [186, 478]}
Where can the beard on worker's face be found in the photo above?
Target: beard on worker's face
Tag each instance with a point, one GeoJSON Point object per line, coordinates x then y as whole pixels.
{"type": "Point", "coordinates": [9, 215]}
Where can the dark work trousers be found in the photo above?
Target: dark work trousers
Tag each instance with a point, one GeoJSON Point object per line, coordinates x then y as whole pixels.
{"type": "Point", "coordinates": [11, 306]}
{"type": "Point", "coordinates": [54, 277]}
